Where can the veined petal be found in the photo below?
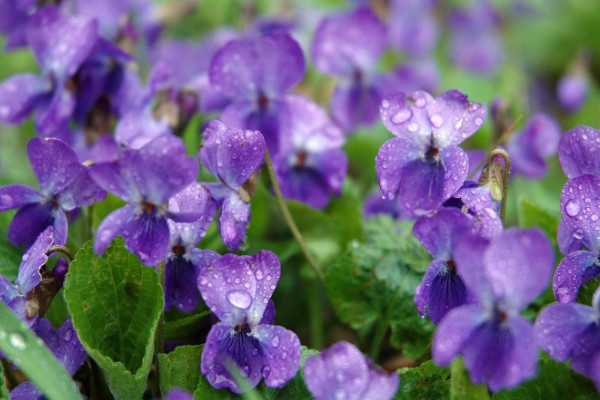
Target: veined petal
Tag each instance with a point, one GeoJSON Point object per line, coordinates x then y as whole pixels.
{"type": "Point", "coordinates": [579, 151]}
{"type": "Point", "coordinates": [147, 235]}
{"type": "Point", "coordinates": [13, 196]}
{"type": "Point", "coordinates": [281, 349]}
{"type": "Point", "coordinates": [580, 205]}
{"type": "Point", "coordinates": [181, 289]}
{"type": "Point", "coordinates": [572, 272]}
{"type": "Point", "coordinates": [33, 259]}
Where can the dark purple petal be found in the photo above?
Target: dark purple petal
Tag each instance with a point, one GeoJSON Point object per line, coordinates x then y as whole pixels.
{"type": "Point", "coordinates": [281, 348]}
{"type": "Point", "coordinates": [519, 264]}
{"type": "Point", "coordinates": [7, 290]}
{"type": "Point", "coordinates": [194, 198]}
{"type": "Point", "coordinates": [579, 151]}
{"type": "Point", "coordinates": [580, 205]}
{"type": "Point", "coordinates": [53, 116]}
{"type": "Point", "coordinates": [233, 220]}
{"type": "Point", "coordinates": [355, 105]}
{"type": "Point", "coordinates": [178, 394]}
{"type": "Point", "coordinates": [440, 231]}
{"type": "Point", "coordinates": [181, 289]}
{"type": "Point", "coordinates": [446, 292]}
{"type": "Point", "coordinates": [227, 348]}
{"type": "Point", "coordinates": [111, 226]}
{"type": "Point", "coordinates": [269, 315]}
{"type": "Point", "coordinates": [573, 272]}
{"type": "Point", "coordinates": [338, 372]}
{"type": "Point", "coordinates": [20, 95]}
{"type": "Point", "coordinates": [147, 235]}
{"type": "Point", "coordinates": [375, 205]}
{"type": "Point", "coordinates": [559, 327]}
{"type": "Point", "coordinates": [59, 41]}
{"type": "Point", "coordinates": [29, 222]}
{"type": "Point", "coordinates": [501, 354]}
{"type": "Point", "coordinates": [586, 349]}
{"type": "Point", "coordinates": [383, 385]}
{"type": "Point", "coordinates": [161, 168]}
{"type": "Point", "coordinates": [455, 118]}
{"type": "Point", "coordinates": [33, 259]}
{"type": "Point", "coordinates": [54, 162]}
{"type": "Point", "coordinates": [13, 196]}
{"type": "Point", "coordinates": [347, 42]}
{"type": "Point", "coordinates": [64, 343]}
{"type": "Point", "coordinates": [26, 391]}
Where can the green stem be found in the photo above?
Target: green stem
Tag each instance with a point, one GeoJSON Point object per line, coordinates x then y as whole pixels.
{"type": "Point", "coordinates": [289, 219]}
{"type": "Point", "coordinates": [159, 337]}
{"type": "Point", "coordinates": [61, 249]}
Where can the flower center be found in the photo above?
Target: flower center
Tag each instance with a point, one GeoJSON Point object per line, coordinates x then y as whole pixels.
{"type": "Point", "coordinates": [263, 101]}
{"type": "Point", "coordinates": [451, 264]}
{"type": "Point", "coordinates": [301, 159]}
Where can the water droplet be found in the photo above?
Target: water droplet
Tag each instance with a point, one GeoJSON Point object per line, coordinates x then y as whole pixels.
{"type": "Point", "coordinates": [68, 335]}
{"type": "Point", "coordinates": [239, 298]}
{"type": "Point", "coordinates": [265, 371]}
{"type": "Point", "coordinates": [413, 127]}
{"type": "Point", "coordinates": [572, 208]}
{"type": "Point", "coordinates": [258, 274]}
{"type": "Point", "coordinates": [563, 295]}
{"type": "Point", "coordinates": [578, 234]}
{"type": "Point", "coordinates": [385, 103]}
{"type": "Point", "coordinates": [401, 116]}
{"type": "Point", "coordinates": [340, 394]}
{"type": "Point", "coordinates": [478, 121]}
{"type": "Point", "coordinates": [436, 120]}
{"type": "Point", "coordinates": [17, 340]}
{"type": "Point", "coordinates": [275, 341]}
{"type": "Point", "coordinates": [594, 217]}
{"type": "Point", "coordinates": [245, 370]}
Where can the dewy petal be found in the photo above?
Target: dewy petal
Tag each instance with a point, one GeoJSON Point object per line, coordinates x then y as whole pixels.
{"type": "Point", "coordinates": [338, 372]}
{"type": "Point", "coordinates": [64, 343]}
{"type": "Point", "coordinates": [111, 226]}
{"type": "Point", "coordinates": [266, 268]}
{"type": "Point", "coordinates": [161, 168]}
{"type": "Point", "coordinates": [579, 151]}
{"type": "Point", "coordinates": [28, 222]}
{"type": "Point", "coordinates": [382, 385]}
{"type": "Point", "coordinates": [54, 163]}
{"type": "Point", "coordinates": [501, 354]}
{"type": "Point", "coordinates": [580, 205]}
{"type": "Point", "coordinates": [355, 104]}
{"type": "Point", "coordinates": [349, 41]}
{"type": "Point", "coordinates": [147, 235]}
{"type": "Point", "coordinates": [194, 198]}
{"type": "Point", "coordinates": [13, 196]}
{"type": "Point", "coordinates": [391, 159]}
{"type": "Point", "coordinates": [438, 232]}
{"type": "Point", "coordinates": [112, 177]}
{"type": "Point", "coordinates": [235, 70]}
{"type": "Point", "coordinates": [406, 116]}
{"type": "Point", "coordinates": [559, 326]}
{"type": "Point", "coordinates": [83, 191]}
{"type": "Point", "coordinates": [454, 332]}
{"type": "Point", "coordinates": [20, 95]}
{"type": "Point", "coordinates": [233, 220]}
{"type": "Point", "coordinates": [567, 242]}
{"type": "Point", "coordinates": [136, 129]}
{"type": "Point", "coordinates": [181, 289]}
{"type": "Point", "coordinates": [240, 153]}
{"type": "Point", "coordinates": [573, 272]}
{"type": "Point", "coordinates": [227, 348]}
{"type": "Point", "coordinates": [519, 264]}
{"type": "Point", "coordinates": [455, 118]}
{"type": "Point", "coordinates": [281, 349]}
{"type": "Point", "coordinates": [33, 259]}
{"type": "Point", "coordinates": [59, 41]}
{"type": "Point", "coordinates": [61, 227]}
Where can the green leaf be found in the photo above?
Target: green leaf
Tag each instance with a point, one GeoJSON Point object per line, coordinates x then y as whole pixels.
{"type": "Point", "coordinates": [184, 326]}
{"type": "Point", "coordinates": [376, 281]}
{"type": "Point", "coordinates": [3, 388]}
{"type": "Point", "coordinates": [115, 302]}
{"type": "Point", "coordinates": [555, 380]}
{"type": "Point", "coordinates": [586, 292]}
{"type": "Point", "coordinates": [10, 258]}
{"type": "Point", "coordinates": [425, 382]}
{"type": "Point", "coordinates": [461, 387]}
{"type": "Point", "coordinates": [533, 216]}
{"type": "Point", "coordinates": [33, 358]}
{"type": "Point", "coordinates": [180, 368]}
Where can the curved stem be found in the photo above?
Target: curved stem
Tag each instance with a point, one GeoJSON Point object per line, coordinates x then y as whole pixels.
{"type": "Point", "coordinates": [288, 218]}
{"type": "Point", "coordinates": [61, 249]}
{"type": "Point", "coordinates": [505, 178]}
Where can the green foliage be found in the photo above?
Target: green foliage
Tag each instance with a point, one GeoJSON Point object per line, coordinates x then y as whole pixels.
{"type": "Point", "coordinates": [3, 388]}
{"type": "Point", "coordinates": [115, 302]}
{"type": "Point", "coordinates": [33, 358]}
{"type": "Point", "coordinates": [180, 368]}
{"type": "Point", "coordinates": [10, 258]}
{"type": "Point", "coordinates": [425, 382]}
{"type": "Point", "coordinates": [586, 292]}
{"type": "Point", "coordinates": [533, 216]}
{"type": "Point", "coordinates": [461, 387]}
{"type": "Point", "coordinates": [375, 282]}
{"type": "Point", "coordinates": [555, 380]}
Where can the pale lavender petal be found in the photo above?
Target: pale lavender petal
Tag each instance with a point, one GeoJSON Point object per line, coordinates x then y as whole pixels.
{"type": "Point", "coordinates": [573, 272]}
{"type": "Point", "coordinates": [147, 235]}
{"type": "Point", "coordinates": [340, 371]}
{"type": "Point", "coordinates": [111, 226]}
{"type": "Point", "coordinates": [196, 198]}
{"type": "Point", "coordinates": [13, 196]}
{"type": "Point", "coordinates": [235, 70]}
{"type": "Point", "coordinates": [61, 227]}
{"type": "Point", "coordinates": [54, 163]}
{"type": "Point", "coordinates": [136, 129]}
{"type": "Point", "coordinates": [266, 268]}
{"type": "Point", "coordinates": [83, 191]}
{"type": "Point", "coordinates": [469, 256]}
{"type": "Point", "coordinates": [487, 223]}
{"type": "Point", "coordinates": [454, 332]}
{"type": "Point", "coordinates": [411, 76]}
{"type": "Point", "coordinates": [579, 151]}
{"type": "Point", "coordinates": [282, 354]}
{"type": "Point", "coordinates": [559, 326]}
{"type": "Point", "coordinates": [233, 221]}
{"type": "Point", "coordinates": [20, 95]}
{"type": "Point", "coordinates": [73, 38]}
{"type": "Point", "coordinates": [413, 28]}
{"type": "Point", "coordinates": [349, 41]}
{"type": "Point", "coordinates": [580, 205]}
{"type": "Point", "coordinates": [455, 118]}
{"type": "Point", "coordinates": [519, 264]}
{"type": "Point", "coordinates": [240, 153]}
{"type": "Point", "coordinates": [586, 349]}
{"type": "Point", "coordinates": [572, 91]}
{"type": "Point", "coordinates": [178, 394]}
{"type": "Point", "coordinates": [383, 385]}
{"type": "Point", "coordinates": [391, 159]}
{"type": "Point", "coordinates": [567, 242]}
{"type": "Point", "coordinates": [501, 354]}
{"type": "Point", "coordinates": [439, 232]}
{"type": "Point", "coordinates": [110, 177]}
{"type": "Point", "coordinates": [33, 259]}
{"type": "Point", "coordinates": [28, 222]}
{"type": "Point", "coordinates": [7, 290]}
{"type": "Point", "coordinates": [407, 117]}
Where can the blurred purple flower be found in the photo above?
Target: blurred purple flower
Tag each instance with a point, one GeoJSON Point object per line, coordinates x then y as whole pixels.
{"type": "Point", "coordinates": [571, 91]}
{"type": "Point", "coordinates": [413, 28]}
{"type": "Point", "coordinates": [343, 372]}
{"type": "Point", "coordinates": [245, 344]}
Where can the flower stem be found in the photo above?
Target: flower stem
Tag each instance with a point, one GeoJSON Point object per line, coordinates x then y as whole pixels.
{"type": "Point", "coordinates": [289, 219]}
{"type": "Point", "coordinates": [61, 249]}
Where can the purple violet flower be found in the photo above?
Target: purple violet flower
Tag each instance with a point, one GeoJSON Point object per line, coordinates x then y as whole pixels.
{"type": "Point", "coordinates": [572, 332]}
{"type": "Point", "coordinates": [310, 165]}
{"type": "Point", "coordinates": [64, 186]}
{"type": "Point", "coordinates": [348, 45]}
{"type": "Point", "coordinates": [375, 205]}
{"type": "Point", "coordinates": [423, 166]}
{"type": "Point", "coordinates": [256, 74]}
{"type": "Point", "coordinates": [505, 274]}
{"type": "Point", "coordinates": [530, 148]}
{"type": "Point", "coordinates": [146, 179]}
{"type": "Point", "coordinates": [14, 15]}
{"type": "Point", "coordinates": [571, 91]}
{"type": "Point", "coordinates": [579, 151]}
{"type": "Point", "coordinates": [178, 394]}
{"type": "Point", "coordinates": [184, 260]}
{"type": "Point", "coordinates": [17, 296]}
{"type": "Point", "coordinates": [413, 28]}
{"type": "Point", "coordinates": [238, 289]}
{"type": "Point", "coordinates": [442, 288]}
{"type": "Point", "coordinates": [66, 347]}
{"type": "Point", "coordinates": [232, 156]}
{"type": "Point", "coordinates": [60, 43]}
{"type": "Point", "coordinates": [580, 205]}
{"type": "Point", "coordinates": [343, 372]}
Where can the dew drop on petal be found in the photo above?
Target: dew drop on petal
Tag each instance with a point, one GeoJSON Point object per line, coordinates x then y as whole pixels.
{"type": "Point", "coordinates": [275, 341]}
{"type": "Point", "coordinates": [572, 208]}
{"type": "Point", "coordinates": [239, 298]}
{"type": "Point", "coordinates": [68, 335]}
{"type": "Point", "coordinates": [385, 103]}
{"type": "Point", "coordinates": [340, 394]}
{"type": "Point", "coordinates": [259, 274]}
{"type": "Point", "coordinates": [401, 116]}
{"type": "Point", "coordinates": [436, 120]}
{"type": "Point", "coordinates": [265, 371]}
{"type": "Point", "coordinates": [245, 370]}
